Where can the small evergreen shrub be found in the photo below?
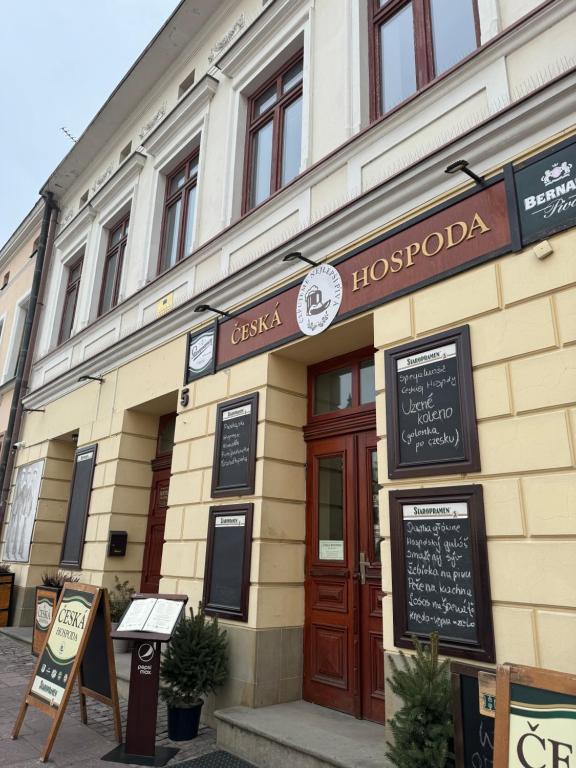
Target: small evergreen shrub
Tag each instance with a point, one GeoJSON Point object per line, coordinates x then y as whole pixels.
{"type": "Point", "coordinates": [422, 728]}
{"type": "Point", "coordinates": [119, 598]}
{"type": "Point", "coordinates": [195, 662]}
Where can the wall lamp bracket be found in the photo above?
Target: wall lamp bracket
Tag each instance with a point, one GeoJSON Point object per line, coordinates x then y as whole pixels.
{"type": "Point", "coordinates": [463, 167]}
{"type": "Point", "coordinates": [87, 377]}
{"type": "Point", "coordinates": [208, 308]}
{"type": "Point", "coordinates": [298, 255]}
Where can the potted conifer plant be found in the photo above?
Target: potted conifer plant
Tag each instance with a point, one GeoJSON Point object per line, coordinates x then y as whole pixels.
{"type": "Point", "coordinates": [195, 664]}
{"type": "Point", "coordinates": [6, 591]}
{"type": "Point", "coordinates": [422, 728]}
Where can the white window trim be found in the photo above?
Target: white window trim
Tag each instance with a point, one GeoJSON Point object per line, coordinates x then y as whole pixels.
{"type": "Point", "coordinates": [173, 140]}
{"type": "Point", "coordinates": [264, 45]}
{"type": "Point", "coordinates": [12, 354]}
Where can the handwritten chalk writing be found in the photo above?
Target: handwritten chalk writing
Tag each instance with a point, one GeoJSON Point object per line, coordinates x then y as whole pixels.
{"type": "Point", "coordinates": [438, 566]}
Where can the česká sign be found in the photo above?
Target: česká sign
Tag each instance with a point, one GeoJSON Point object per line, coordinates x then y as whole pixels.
{"type": "Point", "coordinates": [535, 718]}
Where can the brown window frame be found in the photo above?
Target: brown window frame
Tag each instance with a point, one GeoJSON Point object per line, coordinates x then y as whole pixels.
{"type": "Point", "coordinates": [118, 249]}
{"type": "Point", "coordinates": [423, 47]}
{"type": "Point", "coordinates": [172, 199]}
{"type": "Point", "coordinates": [358, 416]}
{"type": "Point", "coordinates": [274, 114]}
{"type": "Point", "coordinates": [71, 286]}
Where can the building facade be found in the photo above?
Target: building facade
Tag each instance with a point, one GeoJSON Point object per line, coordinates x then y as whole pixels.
{"type": "Point", "coordinates": [213, 385]}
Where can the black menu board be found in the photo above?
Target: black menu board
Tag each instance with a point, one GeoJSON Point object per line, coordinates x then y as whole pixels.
{"type": "Point", "coordinates": [234, 467]}
{"type": "Point", "coordinates": [80, 491]}
{"type": "Point", "coordinates": [546, 192]}
{"type": "Point", "coordinates": [227, 574]}
{"type": "Point", "coordinates": [473, 731]}
{"type": "Point", "coordinates": [430, 407]}
{"type": "Point", "coordinates": [440, 570]}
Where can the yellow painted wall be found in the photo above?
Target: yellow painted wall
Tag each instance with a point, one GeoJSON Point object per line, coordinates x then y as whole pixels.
{"type": "Point", "coordinates": [521, 313]}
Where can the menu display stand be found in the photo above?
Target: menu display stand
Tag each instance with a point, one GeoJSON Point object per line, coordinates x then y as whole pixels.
{"type": "Point", "coordinates": [140, 745]}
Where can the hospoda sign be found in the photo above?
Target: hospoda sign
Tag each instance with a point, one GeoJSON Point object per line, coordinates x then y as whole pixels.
{"type": "Point", "coordinates": [535, 718]}
{"type": "Point", "coordinates": [62, 646]}
{"type": "Point", "coordinates": [201, 357]}
{"type": "Point", "coordinates": [546, 190]}
{"type": "Point", "coordinates": [319, 299]}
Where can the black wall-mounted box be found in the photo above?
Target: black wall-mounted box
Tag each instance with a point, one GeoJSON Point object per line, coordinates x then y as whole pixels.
{"type": "Point", "coordinates": [117, 543]}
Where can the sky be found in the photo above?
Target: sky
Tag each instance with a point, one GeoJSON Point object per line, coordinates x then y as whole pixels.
{"type": "Point", "coordinates": [59, 61]}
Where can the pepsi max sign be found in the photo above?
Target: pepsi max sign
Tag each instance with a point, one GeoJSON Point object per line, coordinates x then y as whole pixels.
{"type": "Point", "coordinates": [546, 191]}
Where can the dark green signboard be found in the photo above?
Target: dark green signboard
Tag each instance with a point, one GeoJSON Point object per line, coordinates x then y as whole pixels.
{"type": "Point", "coordinates": [546, 192]}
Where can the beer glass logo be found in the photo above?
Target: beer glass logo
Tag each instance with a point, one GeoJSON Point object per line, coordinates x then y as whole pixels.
{"type": "Point", "coordinates": [319, 299]}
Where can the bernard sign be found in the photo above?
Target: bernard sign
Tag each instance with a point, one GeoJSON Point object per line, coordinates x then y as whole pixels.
{"type": "Point", "coordinates": [546, 192]}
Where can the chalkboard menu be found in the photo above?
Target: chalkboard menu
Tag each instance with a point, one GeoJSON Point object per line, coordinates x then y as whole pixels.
{"type": "Point", "coordinates": [473, 731]}
{"type": "Point", "coordinates": [430, 407]}
{"type": "Point", "coordinates": [227, 574]}
{"type": "Point", "coordinates": [80, 490]}
{"type": "Point", "coordinates": [234, 467]}
{"type": "Point", "coordinates": [546, 192]}
{"type": "Point", "coordinates": [440, 570]}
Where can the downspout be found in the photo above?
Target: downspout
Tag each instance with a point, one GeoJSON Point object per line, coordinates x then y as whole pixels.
{"type": "Point", "coordinates": [24, 358]}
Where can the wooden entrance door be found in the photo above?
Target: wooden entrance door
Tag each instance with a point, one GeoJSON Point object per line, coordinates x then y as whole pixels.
{"type": "Point", "coordinates": [155, 531]}
{"type": "Point", "coordinates": [343, 657]}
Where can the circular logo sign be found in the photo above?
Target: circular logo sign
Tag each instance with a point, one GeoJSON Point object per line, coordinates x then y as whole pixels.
{"type": "Point", "coordinates": [319, 299]}
{"type": "Point", "coordinates": [146, 652]}
{"type": "Point", "coordinates": [43, 613]}
{"type": "Point", "coordinates": [201, 350]}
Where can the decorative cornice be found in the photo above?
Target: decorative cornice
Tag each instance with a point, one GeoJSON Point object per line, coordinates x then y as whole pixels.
{"type": "Point", "coordinates": [284, 15]}
{"type": "Point", "coordinates": [22, 233]}
{"type": "Point", "coordinates": [74, 230]}
{"type": "Point", "coordinates": [225, 41]}
{"type": "Point", "coordinates": [119, 181]}
{"type": "Point", "coordinates": [104, 176]}
{"type": "Point", "coordinates": [182, 114]}
{"type": "Point", "coordinates": [154, 120]}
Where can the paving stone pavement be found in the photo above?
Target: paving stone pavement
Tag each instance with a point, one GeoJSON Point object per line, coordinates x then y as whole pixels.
{"type": "Point", "coordinates": [76, 744]}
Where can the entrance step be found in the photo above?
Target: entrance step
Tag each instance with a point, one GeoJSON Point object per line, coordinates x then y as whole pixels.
{"type": "Point", "coordinates": [301, 735]}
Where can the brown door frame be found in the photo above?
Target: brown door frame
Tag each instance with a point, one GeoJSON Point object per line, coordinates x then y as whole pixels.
{"type": "Point", "coordinates": [351, 429]}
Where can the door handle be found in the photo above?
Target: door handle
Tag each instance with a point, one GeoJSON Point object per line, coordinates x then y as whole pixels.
{"type": "Point", "coordinates": [364, 563]}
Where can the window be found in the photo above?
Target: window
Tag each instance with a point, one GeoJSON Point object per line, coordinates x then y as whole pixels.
{"type": "Point", "coordinates": [274, 134]}
{"type": "Point", "coordinates": [414, 42]}
{"type": "Point", "coordinates": [179, 211]}
{"type": "Point", "coordinates": [341, 387]}
{"type": "Point", "coordinates": [113, 261]}
{"type": "Point", "coordinates": [70, 299]}
{"type": "Point", "coordinates": [16, 342]}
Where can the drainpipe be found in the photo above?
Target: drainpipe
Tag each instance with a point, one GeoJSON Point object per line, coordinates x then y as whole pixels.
{"type": "Point", "coordinates": [24, 357]}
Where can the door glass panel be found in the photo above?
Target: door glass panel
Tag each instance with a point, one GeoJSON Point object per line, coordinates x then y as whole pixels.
{"type": "Point", "coordinates": [453, 32]}
{"type": "Point", "coordinates": [166, 430]}
{"type": "Point", "coordinates": [367, 383]}
{"type": "Point", "coordinates": [292, 137]}
{"type": "Point", "coordinates": [262, 164]}
{"type": "Point", "coordinates": [333, 391]}
{"type": "Point", "coordinates": [398, 60]}
{"type": "Point", "coordinates": [375, 504]}
{"type": "Point", "coordinates": [331, 508]}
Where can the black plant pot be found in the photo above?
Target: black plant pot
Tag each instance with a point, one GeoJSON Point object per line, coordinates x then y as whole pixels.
{"type": "Point", "coordinates": [183, 722]}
